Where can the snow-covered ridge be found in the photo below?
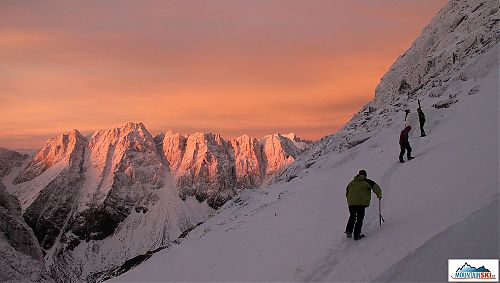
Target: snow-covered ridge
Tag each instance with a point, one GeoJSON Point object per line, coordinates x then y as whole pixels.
{"type": "Point", "coordinates": [55, 150]}
{"type": "Point", "coordinates": [453, 50]}
{"type": "Point", "coordinates": [95, 202]}
{"type": "Point", "coordinates": [294, 230]}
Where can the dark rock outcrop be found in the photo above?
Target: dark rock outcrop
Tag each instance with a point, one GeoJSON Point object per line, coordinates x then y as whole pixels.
{"type": "Point", "coordinates": [21, 257]}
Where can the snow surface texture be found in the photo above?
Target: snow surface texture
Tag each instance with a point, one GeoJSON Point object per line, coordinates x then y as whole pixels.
{"type": "Point", "coordinates": [464, 244]}
{"type": "Point", "coordinates": [98, 203]}
{"type": "Point", "coordinates": [294, 230]}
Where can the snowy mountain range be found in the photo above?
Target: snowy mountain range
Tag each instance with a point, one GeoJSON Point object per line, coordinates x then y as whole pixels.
{"type": "Point", "coordinates": [106, 202]}
{"type": "Point", "coordinates": [95, 202]}
{"type": "Point", "coordinates": [441, 205]}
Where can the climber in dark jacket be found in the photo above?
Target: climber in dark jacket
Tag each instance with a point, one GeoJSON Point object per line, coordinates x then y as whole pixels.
{"type": "Point", "coordinates": [405, 144]}
{"type": "Point", "coordinates": [358, 194]}
{"type": "Point", "coordinates": [421, 120]}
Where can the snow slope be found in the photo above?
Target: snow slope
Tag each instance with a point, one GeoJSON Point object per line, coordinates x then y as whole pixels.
{"type": "Point", "coordinates": [464, 245]}
{"type": "Point", "coordinates": [293, 231]}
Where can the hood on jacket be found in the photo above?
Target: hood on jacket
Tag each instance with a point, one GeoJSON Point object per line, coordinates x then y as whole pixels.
{"type": "Point", "coordinates": [360, 177]}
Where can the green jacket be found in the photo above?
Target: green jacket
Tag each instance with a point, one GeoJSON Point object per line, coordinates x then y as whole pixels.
{"type": "Point", "coordinates": [358, 192]}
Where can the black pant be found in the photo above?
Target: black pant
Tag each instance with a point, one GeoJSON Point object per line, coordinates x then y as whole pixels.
{"type": "Point", "coordinates": [356, 216]}
{"type": "Point", "coordinates": [422, 131]}
{"type": "Point", "coordinates": [404, 147]}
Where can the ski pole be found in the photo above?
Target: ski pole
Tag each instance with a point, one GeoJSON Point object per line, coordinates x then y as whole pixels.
{"type": "Point", "coordinates": [380, 217]}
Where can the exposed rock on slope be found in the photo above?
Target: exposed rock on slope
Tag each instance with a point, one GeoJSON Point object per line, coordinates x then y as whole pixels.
{"type": "Point", "coordinates": [21, 258]}
{"type": "Point", "coordinates": [56, 150]}
{"type": "Point", "coordinates": [248, 160]}
{"type": "Point", "coordinates": [52, 207]}
{"type": "Point", "coordinates": [9, 159]}
{"type": "Point", "coordinates": [206, 170]}
{"type": "Point", "coordinates": [458, 46]}
{"type": "Point", "coordinates": [121, 170]}
{"type": "Point", "coordinates": [211, 168]}
{"type": "Point", "coordinates": [423, 197]}
{"type": "Point", "coordinates": [460, 31]}
{"type": "Point", "coordinates": [95, 202]}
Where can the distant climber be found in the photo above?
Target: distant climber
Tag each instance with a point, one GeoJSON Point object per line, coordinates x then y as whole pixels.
{"type": "Point", "coordinates": [421, 120]}
{"type": "Point", "coordinates": [405, 144]}
{"type": "Point", "coordinates": [407, 112]}
{"type": "Point", "coordinates": [358, 194]}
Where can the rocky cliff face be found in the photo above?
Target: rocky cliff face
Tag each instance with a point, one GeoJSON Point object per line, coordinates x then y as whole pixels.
{"type": "Point", "coordinates": [50, 210]}
{"type": "Point", "coordinates": [206, 170]}
{"type": "Point", "coordinates": [248, 162]}
{"type": "Point", "coordinates": [278, 152]}
{"type": "Point", "coordinates": [21, 257]}
{"type": "Point", "coordinates": [458, 47]}
{"type": "Point", "coordinates": [208, 167]}
{"type": "Point", "coordinates": [462, 30]}
{"type": "Point", "coordinates": [8, 160]}
{"type": "Point", "coordinates": [120, 170]}
{"type": "Point", "coordinates": [95, 202]}
{"type": "Point", "coordinates": [60, 149]}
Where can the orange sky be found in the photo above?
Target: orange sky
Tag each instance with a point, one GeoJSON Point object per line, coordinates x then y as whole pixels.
{"type": "Point", "coordinates": [225, 66]}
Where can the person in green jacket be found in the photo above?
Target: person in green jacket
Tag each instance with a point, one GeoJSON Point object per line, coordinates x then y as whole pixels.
{"type": "Point", "coordinates": [358, 194]}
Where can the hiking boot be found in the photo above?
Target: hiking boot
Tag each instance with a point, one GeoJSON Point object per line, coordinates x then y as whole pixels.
{"type": "Point", "coordinates": [358, 237]}
{"type": "Point", "coordinates": [349, 235]}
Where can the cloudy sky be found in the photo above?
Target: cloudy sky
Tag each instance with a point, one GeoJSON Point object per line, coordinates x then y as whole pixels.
{"type": "Point", "coordinates": [224, 66]}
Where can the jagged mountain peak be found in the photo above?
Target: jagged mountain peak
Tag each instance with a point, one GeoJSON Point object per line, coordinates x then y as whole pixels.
{"type": "Point", "coordinates": [131, 128]}
{"type": "Point", "coordinates": [316, 182]}
{"type": "Point", "coordinates": [75, 133]}
{"type": "Point", "coordinates": [291, 136]}
{"type": "Point", "coordinates": [126, 128]}
{"type": "Point", "coordinates": [134, 127]}
{"type": "Point", "coordinates": [244, 136]}
{"type": "Point", "coordinates": [60, 148]}
{"type": "Point", "coordinates": [207, 137]}
{"type": "Point", "coordinates": [64, 138]}
{"type": "Point", "coordinates": [244, 139]}
{"type": "Point", "coordinates": [123, 177]}
{"type": "Point", "coordinates": [129, 136]}
{"type": "Point", "coordinates": [172, 133]}
{"type": "Point", "coordinates": [271, 136]}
